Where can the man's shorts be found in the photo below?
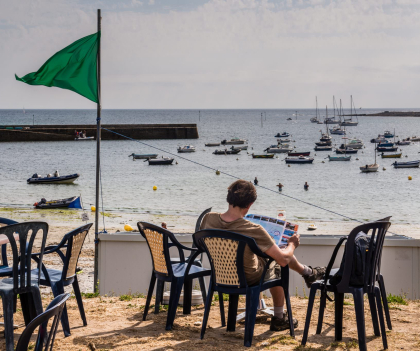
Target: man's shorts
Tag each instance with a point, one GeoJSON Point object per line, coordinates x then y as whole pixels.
{"type": "Point", "coordinates": [273, 272]}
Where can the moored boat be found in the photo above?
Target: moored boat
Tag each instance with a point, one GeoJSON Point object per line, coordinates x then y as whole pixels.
{"type": "Point", "coordinates": [240, 147]}
{"type": "Point", "coordinates": [339, 158]}
{"type": "Point", "coordinates": [415, 138]}
{"type": "Point", "coordinates": [263, 156]}
{"type": "Point", "coordinates": [234, 141]}
{"type": "Point", "coordinates": [299, 153]}
{"type": "Point", "coordinates": [299, 159]}
{"type": "Point", "coordinates": [323, 148]}
{"type": "Point", "coordinates": [409, 164]}
{"type": "Point", "coordinates": [345, 150]}
{"type": "Point", "coordinates": [280, 149]}
{"type": "Point", "coordinates": [324, 143]}
{"type": "Point", "coordinates": [160, 161]}
{"type": "Point", "coordinates": [388, 134]}
{"type": "Point", "coordinates": [337, 131]}
{"type": "Point", "coordinates": [212, 144]}
{"type": "Point", "coordinates": [282, 135]}
{"type": "Point", "coordinates": [84, 138]}
{"type": "Point", "coordinates": [186, 148]}
{"type": "Point", "coordinates": [391, 155]}
{"type": "Point", "coordinates": [325, 137]}
{"type": "Point", "coordinates": [379, 139]}
{"type": "Point", "coordinates": [355, 143]}
{"type": "Point", "coordinates": [386, 148]}
{"type": "Point", "coordinates": [331, 120]}
{"type": "Point", "coordinates": [403, 142]}
{"type": "Point", "coordinates": [226, 152]}
{"type": "Point", "coordinates": [369, 168]}
{"type": "Point", "coordinates": [142, 156]}
{"type": "Point", "coordinates": [67, 179]}
{"type": "Point", "coordinates": [283, 141]}
{"type": "Point", "coordinates": [71, 202]}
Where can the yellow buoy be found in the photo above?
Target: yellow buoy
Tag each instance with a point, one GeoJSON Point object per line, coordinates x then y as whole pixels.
{"type": "Point", "coordinates": [409, 178]}
{"type": "Point", "coordinates": [217, 172]}
{"type": "Point", "coordinates": [93, 208]}
{"type": "Point", "coordinates": [128, 228]}
{"type": "Point", "coordinates": [154, 187]}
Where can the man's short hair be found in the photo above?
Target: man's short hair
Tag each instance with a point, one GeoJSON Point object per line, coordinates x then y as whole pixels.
{"type": "Point", "coordinates": [241, 193]}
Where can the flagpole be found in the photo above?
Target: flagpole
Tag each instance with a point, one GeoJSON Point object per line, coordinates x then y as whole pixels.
{"type": "Point", "coordinates": [98, 159]}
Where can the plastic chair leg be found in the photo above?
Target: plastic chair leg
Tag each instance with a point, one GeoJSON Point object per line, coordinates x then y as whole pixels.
{"type": "Point", "coordinates": [176, 287]}
{"type": "Point", "coordinates": [58, 289]}
{"type": "Point", "coordinates": [222, 309]}
{"type": "Point", "coordinates": [206, 311]}
{"type": "Point", "coordinates": [339, 305]}
{"type": "Point", "coordinates": [381, 317]}
{"type": "Point", "coordinates": [187, 296]}
{"type": "Point", "coordinates": [159, 294]}
{"type": "Point", "coordinates": [8, 320]}
{"type": "Point", "coordinates": [289, 313]}
{"type": "Point", "coordinates": [79, 300]}
{"type": "Point", "coordinates": [309, 314]}
{"type": "Point", "coordinates": [322, 304]}
{"type": "Point", "coordinates": [149, 296]}
{"type": "Point", "coordinates": [360, 318]}
{"type": "Point", "coordinates": [252, 301]}
{"type": "Point", "coordinates": [385, 301]}
{"type": "Point", "coordinates": [203, 288]}
{"type": "Point", "coordinates": [374, 314]}
{"type": "Point", "coordinates": [232, 311]}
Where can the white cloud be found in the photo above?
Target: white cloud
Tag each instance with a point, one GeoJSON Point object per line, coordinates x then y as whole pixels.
{"type": "Point", "coordinates": [224, 53]}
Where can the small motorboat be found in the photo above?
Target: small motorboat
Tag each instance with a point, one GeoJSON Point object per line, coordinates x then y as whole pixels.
{"type": "Point", "coordinates": [283, 141]}
{"type": "Point", "coordinates": [263, 156]}
{"type": "Point", "coordinates": [369, 168]}
{"type": "Point", "coordinates": [282, 135]}
{"type": "Point", "coordinates": [226, 152]}
{"type": "Point", "coordinates": [385, 144]}
{"type": "Point", "coordinates": [323, 143]}
{"type": "Point", "coordinates": [379, 139]}
{"type": "Point", "coordinates": [339, 158]}
{"type": "Point", "coordinates": [67, 179]}
{"type": "Point", "coordinates": [289, 119]}
{"type": "Point", "coordinates": [386, 148]}
{"type": "Point", "coordinates": [355, 143]}
{"type": "Point", "coordinates": [323, 148]}
{"type": "Point", "coordinates": [160, 161]}
{"type": "Point", "coordinates": [84, 138]}
{"type": "Point", "coordinates": [278, 150]}
{"type": "Point", "coordinates": [142, 156]}
{"type": "Point", "coordinates": [337, 131]}
{"type": "Point", "coordinates": [212, 144]}
{"type": "Point", "coordinates": [234, 141]}
{"type": "Point", "coordinates": [299, 153]}
{"type": "Point", "coordinates": [409, 164]}
{"type": "Point", "coordinates": [312, 227]}
{"type": "Point", "coordinates": [343, 149]}
{"type": "Point", "coordinates": [415, 138]}
{"type": "Point", "coordinates": [388, 134]}
{"type": "Point", "coordinates": [71, 202]}
{"type": "Point", "coordinates": [299, 159]}
{"type": "Point", "coordinates": [404, 142]}
{"type": "Point", "coordinates": [186, 148]}
{"type": "Point", "coordinates": [391, 155]}
{"type": "Point", "coordinates": [240, 147]}
{"type": "Point", "coordinates": [325, 137]}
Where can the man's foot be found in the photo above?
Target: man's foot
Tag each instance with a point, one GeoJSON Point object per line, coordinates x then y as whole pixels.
{"type": "Point", "coordinates": [279, 324]}
{"type": "Point", "coordinates": [317, 274]}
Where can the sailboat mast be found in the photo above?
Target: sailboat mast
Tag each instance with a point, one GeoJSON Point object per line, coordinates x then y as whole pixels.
{"type": "Point", "coordinates": [316, 111]}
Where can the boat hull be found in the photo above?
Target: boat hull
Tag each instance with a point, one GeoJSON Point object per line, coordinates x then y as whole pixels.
{"type": "Point", "coordinates": [391, 156]}
{"type": "Point", "coordinates": [84, 139]}
{"type": "Point", "coordinates": [339, 158]}
{"type": "Point", "coordinates": [143, 156]}
{"type": "Point", "coordinates": [233, 142]}
{"type": "Point", "coordinates": [386, 149]}
{"type": "Point", "coordinates": [72, 202]}
{"type": "Point", "coordinates": [68, 179]}
{"type": "Point", "coordinates": [262, 156]}
{"type": "Point", "coordinates": [160, 161]}
{"type": "Point", "coordinates": [410, 164]}
{"type": "Point", "coordinates": [323, 148]}
{"type": "Point", "coordinates": [226, 152]}
{"type": "Point", "coordinates": [212, 144]}
{"type": "Point", "coordinates": [297, 153]}
{"type": "Point", "coordinates": [299, 160]}
{"type": "Point", "coordinates": [349, 124]}
{"type": "Point", "coordinates": [369, 168]}
{"type": "Point", "coordinates": [345, 151]}
{"type": "Point", "coordinates": [279, 150]}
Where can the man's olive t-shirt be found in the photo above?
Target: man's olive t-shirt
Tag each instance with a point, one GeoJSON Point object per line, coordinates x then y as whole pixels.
{"type": "Point", "coordinates": [253, 265]}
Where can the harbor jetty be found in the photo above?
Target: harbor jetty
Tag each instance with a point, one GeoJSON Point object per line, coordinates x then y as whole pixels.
{"type": "Point", "coordinates": [67, 132]}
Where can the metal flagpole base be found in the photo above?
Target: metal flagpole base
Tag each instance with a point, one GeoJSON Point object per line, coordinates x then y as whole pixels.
{"type": "Point", "coordinates": [262, 309]}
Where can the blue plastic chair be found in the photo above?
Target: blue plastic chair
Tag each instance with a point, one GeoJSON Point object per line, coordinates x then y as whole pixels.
{"type": "Point", "coordinates": [178, 274]}
{"type": "Point", "coordinates": [45, 339]}
{"type": "Point", "coordinates": [57, 279]}
{"type": "Point", "coordinates": [226, 255]}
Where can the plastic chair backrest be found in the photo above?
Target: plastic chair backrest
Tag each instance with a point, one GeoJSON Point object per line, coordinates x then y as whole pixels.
{"type": "Point", "coordinates": [377, 234]}
{"type": "Point", "coordinates": [225, 251]}
{"type": "Point", "coordinates": [54, 309]}
{"type": "Point", "coordinates": [75, 240]}
{"type": "Point", "coordinates": [157, 240]}
{"type": "Point", "coordinates": [3, 259]}
{"type": "Point", "coordinates": [22, 257]}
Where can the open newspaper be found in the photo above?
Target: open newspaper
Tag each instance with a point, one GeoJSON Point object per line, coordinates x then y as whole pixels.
{"type": "Point", "coordinates": [279, 230]}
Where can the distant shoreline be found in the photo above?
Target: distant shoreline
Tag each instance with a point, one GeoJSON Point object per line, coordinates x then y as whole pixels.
{"type": "Point", "coordinates": [390, 114]}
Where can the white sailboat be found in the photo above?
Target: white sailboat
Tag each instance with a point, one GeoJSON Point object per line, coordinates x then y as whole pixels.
{"type": "Point", "coordinates": [349, 121]}
{"type": "Point", "coordinates": [315, 119]}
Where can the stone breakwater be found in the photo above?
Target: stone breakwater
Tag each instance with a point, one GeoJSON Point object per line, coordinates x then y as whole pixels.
{"type": "Point", "coordinates": [67, 132]}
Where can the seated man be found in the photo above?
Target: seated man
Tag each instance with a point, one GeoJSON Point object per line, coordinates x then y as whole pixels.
{"type": "Point", "coordinates": [241, 195]}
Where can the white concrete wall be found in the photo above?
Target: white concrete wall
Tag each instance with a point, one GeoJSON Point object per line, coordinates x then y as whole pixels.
{"type": "Point", "coordinates": [125, 264]}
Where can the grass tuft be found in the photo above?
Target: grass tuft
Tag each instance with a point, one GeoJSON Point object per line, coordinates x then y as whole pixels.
{"type": "Point", "coordinates": [397, 299]}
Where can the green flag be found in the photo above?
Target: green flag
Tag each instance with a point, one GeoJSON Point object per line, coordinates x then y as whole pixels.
{"type": "Point", "coordinates": [73, 68]}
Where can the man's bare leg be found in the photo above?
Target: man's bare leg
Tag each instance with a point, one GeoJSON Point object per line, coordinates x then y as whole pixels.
{"type": "Point", "coordinates": [277, 294]}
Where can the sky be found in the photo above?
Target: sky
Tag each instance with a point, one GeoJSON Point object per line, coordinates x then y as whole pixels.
{"type": "Point", "coordinates": [198, 54]}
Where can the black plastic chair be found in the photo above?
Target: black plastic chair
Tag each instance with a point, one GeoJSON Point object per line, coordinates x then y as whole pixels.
{"type": "Point", "coordinates": [160, 286]}
{"type": "Point", "coordinates": [226, 255]}
{"type": "Point", "coordinates": [377, 236]}
{"type": "Point", "coordinates": [45, 339]}
{"type": "Point", "coordinates": [5, 269]}
{"type": "Point", "coordinates": [72, 242]}
{"type": "Point", "coordinates": [22, 283]}
{"type": "Point", "coordinates": [178, 274]}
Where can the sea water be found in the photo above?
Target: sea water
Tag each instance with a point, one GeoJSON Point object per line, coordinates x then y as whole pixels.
{"type": "Point", "coordinates": [187, 188]}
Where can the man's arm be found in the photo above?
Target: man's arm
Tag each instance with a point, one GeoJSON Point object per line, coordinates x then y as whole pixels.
{"type": "Point", "coordinates": [284, 256]}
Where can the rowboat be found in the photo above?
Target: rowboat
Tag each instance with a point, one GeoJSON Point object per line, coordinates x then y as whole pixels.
{"type": "Point", "coordinates": [263, 156]}
{"type": "Point", "coordinates": [240, 147]}
{"type": "Point", "coordinates": [323, 143]}
{"type": "Point", "coordinates": [212, 144]}
{"type": "Point", "coordinates": [234, 141]}
{"type": "Point", "coordinates": [409, 164]}
{"type": "Point", "coordinates": [160, 161]}
{"type": "Point", "coordinates": [386, 148]}
{"type": "Point", "coordinates": [71, 202]}
{"type": "Point", "coordinates": [415, 138]}
{"type": "Point", "coordinates": [300, 159]}
{"type": "Point", "coordinates": [345, 150]}
{"type": "Point", "coordinates": [391, 155]}
{"type": "Point", "coordinates": [282, 135]}
{"type": "Point", "coordinates": [339, 158]}
{"type": "Point", "coordinates": [369, 168]}
{"type": "Point", "coordinates": [186, 148]}
{"type": "Point", "coordinates": [277, 150]}
{"type": "Point", "coordinates": [142, 156]}
{"type": "Point", "coordinates": [299, 153]}
{"type": "Point", "coordinates": [67, 179]}
{"type": "Point", "coordinates": [282, 141]}
{"type": "Point", "coordinates": [323, 148]}
{"type": "Point", "coordinates": [84, 138]}
{"type": "Point", "coordinates": [226, 152]}
{"type": "Point", "coordinates": [403, 142]}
